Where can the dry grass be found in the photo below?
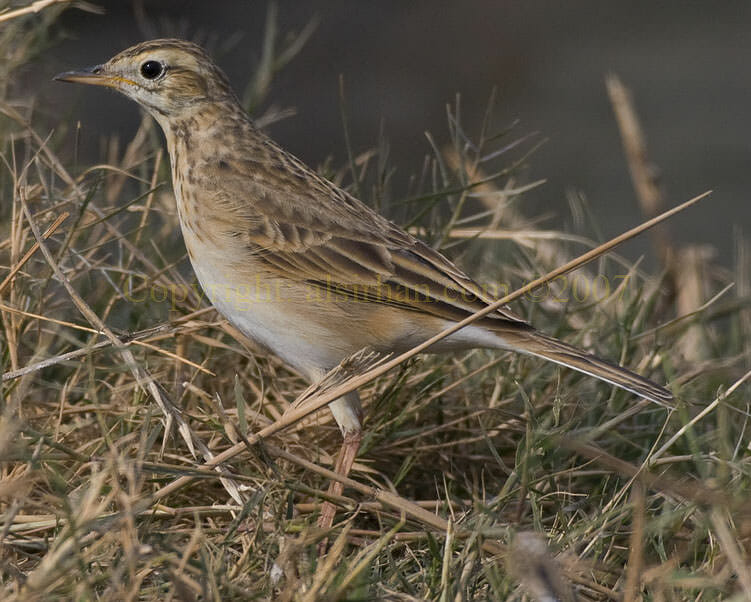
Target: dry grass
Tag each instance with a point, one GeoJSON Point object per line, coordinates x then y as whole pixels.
{"type": "Point", "coordinates": [483, 476]}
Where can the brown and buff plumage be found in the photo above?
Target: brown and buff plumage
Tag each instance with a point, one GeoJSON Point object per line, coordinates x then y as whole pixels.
{"type": "Point", "coordinates": [295, 262]}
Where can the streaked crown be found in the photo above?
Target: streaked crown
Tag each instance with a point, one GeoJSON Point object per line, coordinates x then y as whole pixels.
{"type": "Point", "coordinates": [168, 77]}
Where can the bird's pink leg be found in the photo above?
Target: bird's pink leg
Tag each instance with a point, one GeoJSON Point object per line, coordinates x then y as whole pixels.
{"type": "Point", "coordinates": [344, 461]}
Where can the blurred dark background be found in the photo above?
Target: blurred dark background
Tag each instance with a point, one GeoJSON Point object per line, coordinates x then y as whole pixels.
{"type": "Point", "coordinates": [402, 62]}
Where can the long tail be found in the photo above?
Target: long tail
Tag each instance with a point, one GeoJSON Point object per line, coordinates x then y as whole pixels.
{"type": "Point", "coordinates": [540, 345]}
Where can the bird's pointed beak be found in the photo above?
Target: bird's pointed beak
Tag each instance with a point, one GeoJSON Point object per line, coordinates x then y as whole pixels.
{"type": "Point", "coordinates": [88, 75]}
{"type": "Point", "coordinates": [95, 76]}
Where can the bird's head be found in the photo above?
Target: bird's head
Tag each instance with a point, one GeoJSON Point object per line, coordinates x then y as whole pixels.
{"type": "Point", "coordinates": [169, 78]}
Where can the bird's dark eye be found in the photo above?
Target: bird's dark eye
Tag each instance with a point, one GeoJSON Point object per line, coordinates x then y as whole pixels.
{"type": "Point", "coordinates": [152, 69]}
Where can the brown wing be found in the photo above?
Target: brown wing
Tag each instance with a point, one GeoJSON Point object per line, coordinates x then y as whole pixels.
{"type": "Point", "coordinates": [305, 228]}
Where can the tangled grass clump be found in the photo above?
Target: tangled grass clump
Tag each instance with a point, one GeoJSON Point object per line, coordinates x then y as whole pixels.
{"type": "Point", "coordinates": [482, 475]}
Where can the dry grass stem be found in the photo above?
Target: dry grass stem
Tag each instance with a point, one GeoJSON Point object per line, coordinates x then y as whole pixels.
{"type": "Point", "coordinates": [481, 475]}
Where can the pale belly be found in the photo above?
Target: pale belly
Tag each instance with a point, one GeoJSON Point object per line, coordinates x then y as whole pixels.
{"type": "Point", "coordinates": [265, 314]}
{"type": "Point", "coordinates": [313, 333]}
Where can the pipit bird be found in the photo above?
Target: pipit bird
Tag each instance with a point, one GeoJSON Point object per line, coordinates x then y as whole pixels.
{"type": "Point", "coordinates": [295, 262]}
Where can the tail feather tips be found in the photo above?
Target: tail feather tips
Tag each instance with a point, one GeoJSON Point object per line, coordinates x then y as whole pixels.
{"type": "Point", "coordinates": [559, 352]}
